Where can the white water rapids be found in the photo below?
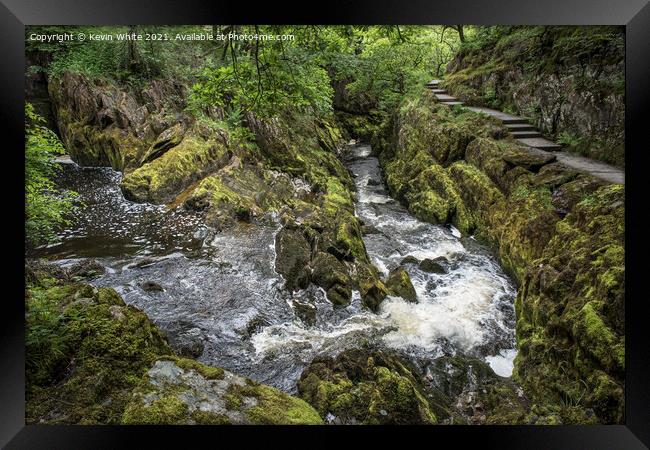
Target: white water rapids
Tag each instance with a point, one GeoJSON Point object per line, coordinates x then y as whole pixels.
{"type": "Point", "coordinates": [224, 287]}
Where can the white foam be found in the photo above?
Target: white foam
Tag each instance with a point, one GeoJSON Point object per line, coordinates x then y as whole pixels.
{"type": "Point", "coordinates": [503, 363]}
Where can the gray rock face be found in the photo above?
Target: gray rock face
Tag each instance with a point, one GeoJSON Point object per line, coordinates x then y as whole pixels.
{"type": "Point", "coordinates": [186, 392]}
{"type": "Point", "coordinates": [168, 139]}
{"type": "Point", "coordinates": [201, 394]}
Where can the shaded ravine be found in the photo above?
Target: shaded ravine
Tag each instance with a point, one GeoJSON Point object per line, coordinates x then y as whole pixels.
{"type": "Point", "coordinates": [220, 293]}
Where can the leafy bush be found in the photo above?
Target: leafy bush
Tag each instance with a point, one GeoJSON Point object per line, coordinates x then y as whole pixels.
{"type": "Point", "coordinates": [46, 208]}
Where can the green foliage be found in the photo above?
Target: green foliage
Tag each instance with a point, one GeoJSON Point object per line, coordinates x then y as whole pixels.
{"type": "Point", "coordinates": [294, 82]}
{"type": "Point", "coordinates": [46, 208]}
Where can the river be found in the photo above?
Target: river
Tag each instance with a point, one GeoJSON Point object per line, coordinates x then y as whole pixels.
{"type": "Point", "coordinates": [221, 291]}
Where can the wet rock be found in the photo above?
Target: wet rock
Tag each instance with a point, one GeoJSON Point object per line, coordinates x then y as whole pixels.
{"type": "Point", "coordinates": [178, 391]}
{"type": "Point", "coordinates": [436, 265]}
{"type": "Point", "coordinates": [305, 311]}
{"type": "Point", "coordinates": [373, 182]}
{"type": "Point", "coordinates": [328, 271]}
{"type": "Point", "coordinates": [88, 269]}
{"type": "Point", "coordinates": [371, 287]}
{"type": "Point", "coordinates": [186, 339]}
{"type": "Point", "coordinates": [399, 284]}
{"type": "Point", "coordinates": [409, 260]}
{"type": "Point", "coordinates": [339, 295]}
{"type": "Point", "coordinates": [368, 387]}
{"type": "Point", "coordinates": [369, 229]}
{"type": "Point", "coordinates": [528, 159]}
{"type": "Point", "coordinates": [292, 258]}
{"type": "Point", "coordinates": [470, 388]}
{"type": "Point", "coordinates": [151, 286]}
{"type": "Point", "coordinates": [37, 271]}
{"type": "Point", "coordinates": [255, 326]}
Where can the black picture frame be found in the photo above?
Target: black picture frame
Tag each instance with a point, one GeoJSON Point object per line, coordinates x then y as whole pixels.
{"type": "Point", "coordinates": [633, 14]}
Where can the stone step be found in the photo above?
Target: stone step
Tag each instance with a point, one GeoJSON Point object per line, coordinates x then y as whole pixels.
{"type": "Point", "coordinates": [434, 82]}
{"type": "Point", "coordinates": [540, 143]}
{"type": "Point", "coordinates": [520, 127]}
{"type": "Point", "coordinates": [526, 134]}
{"type": "Point", "coordinates": [439, 91]}
{"type": "Point", "coordinates": [512, 120]}
{"type": "Point", "coordinates": [445, 98]}
{"type": "Point", "coordinates": [453, 103]}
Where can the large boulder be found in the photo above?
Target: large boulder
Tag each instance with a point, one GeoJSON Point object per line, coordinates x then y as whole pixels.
{"type": "Point", "coordinates": [361, 387]}
{"type": "Point", "coordinates": [85, 352]}
{"type": "Point", "coordinates": [332, 275]}
{"type": "Point", "coordinates": [178, 391]}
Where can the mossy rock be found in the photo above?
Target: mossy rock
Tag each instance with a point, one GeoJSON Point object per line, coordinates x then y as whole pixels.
{"type": "Point", "coordinates": [399, 284]}
{"type": "Point", "coordinates": [86, 351]}
{"type": "Point", "coordinates": [367, 388]}
{"type": "Point", "coordinates": [160, 180]}
{"type": "Point", "coordinates": [178, 391]}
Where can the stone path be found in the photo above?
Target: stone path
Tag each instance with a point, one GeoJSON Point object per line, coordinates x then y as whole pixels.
{"type": "Point", "coordinates": [530, 138]}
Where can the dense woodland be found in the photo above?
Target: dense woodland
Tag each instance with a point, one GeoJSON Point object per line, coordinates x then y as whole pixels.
{"type": "Point", "coordinates": [257, 132]}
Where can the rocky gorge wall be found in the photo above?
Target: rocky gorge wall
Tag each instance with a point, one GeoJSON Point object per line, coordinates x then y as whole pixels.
{"type": "Point", "coordinates": [560, 234]}
{"type": "Point", "coordinates": [288, 166]}
{"type": "Point", "coordinates": [568, 80]}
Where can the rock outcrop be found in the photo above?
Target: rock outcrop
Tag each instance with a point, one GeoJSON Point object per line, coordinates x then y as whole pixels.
{"type": "Point", "coordinates": [365, 388]}
{"type": "Point", "coordinates": [178, 391]}
{"type": "Point", "coordinates": [568, 80]}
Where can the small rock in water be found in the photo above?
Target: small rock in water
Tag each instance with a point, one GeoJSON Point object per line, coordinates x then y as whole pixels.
{"type": "Point", "coordinates": [88, 268]}
{"type": "Point", "coordinates": [150, 286]}
{"type": "Point", "coordinates": [410, 260]}
{"type": "Point", "coordinates": [434, 265]}
{"type": "Point", "coordinates": [373, 182]}
{"type": "Point", "coordinates": [305, 312]}
{"type": "Point", "coordinates": [369, 229]}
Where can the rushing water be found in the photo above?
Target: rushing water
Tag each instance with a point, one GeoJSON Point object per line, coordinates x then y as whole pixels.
{"type": "Point", "coordinates": [222, 288]}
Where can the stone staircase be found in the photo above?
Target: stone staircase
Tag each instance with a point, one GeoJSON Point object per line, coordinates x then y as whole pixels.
{"type": "Point", "coordinates": [530, 138]}
{"type": "Point", "coordinates": [519, 127]}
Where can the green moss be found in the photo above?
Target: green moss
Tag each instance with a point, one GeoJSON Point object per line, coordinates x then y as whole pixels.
{"type": "Point", "coordinates": [276, 407]}
{"type": "Point", "coordinates": [108, 296]}
{"type": "Point", "coordinates": [162, 411]}
{"type": "Point", "coordinates": [207, 418]}
{"type": "Point", "coordinates": [599, 338]}
{"type": "Point", "coordinates": [208, 372]}
{"type": "Point", "coordinates": [369, 390]}
{"type": "Point", "coordinates": [163, 178]}
{"type": "Point", "coordinates": [85, 353]}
